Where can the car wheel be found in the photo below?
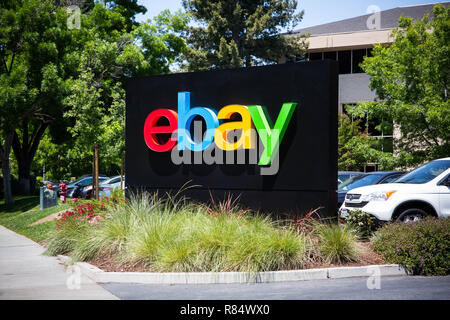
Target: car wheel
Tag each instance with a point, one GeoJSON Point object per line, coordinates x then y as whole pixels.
{"type": "Point", "coordinates": [411, 215]}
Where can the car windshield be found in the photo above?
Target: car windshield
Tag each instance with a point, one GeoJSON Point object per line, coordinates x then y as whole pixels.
{"type": "Point", "coordinates": [359, 181]}
{"type": "Point", "coordinates": [88, 181]}
{"type": "Point", "coordinates": [85, 182]}
{"type": "Point", "coordinates": [112, 180]}
{"type": "Point", "coordinates": [391, 178]}
{"type": "Point", "coordinates": [343, 177]}
{"type": "Point", "coordinates": [425, 173]}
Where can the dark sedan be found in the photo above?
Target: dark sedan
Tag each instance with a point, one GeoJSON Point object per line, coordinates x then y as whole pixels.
{"type": "Point", "coordinates": [366, 179]}
{"type": "Point", "coordinates": [74, 189]}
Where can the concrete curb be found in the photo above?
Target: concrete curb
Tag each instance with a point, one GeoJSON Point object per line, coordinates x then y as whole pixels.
{"type": "Point", "coordinates": [101, 276]}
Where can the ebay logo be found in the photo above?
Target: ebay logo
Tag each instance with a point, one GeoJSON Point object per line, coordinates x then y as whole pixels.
{"type": "Point", "coordinates": [221, 128]}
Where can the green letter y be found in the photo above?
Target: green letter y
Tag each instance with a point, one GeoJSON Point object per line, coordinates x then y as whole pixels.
{"type": "Point", "coordinates": [271, 138]}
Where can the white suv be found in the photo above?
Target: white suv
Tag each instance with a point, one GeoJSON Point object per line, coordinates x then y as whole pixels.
{"type": "Point", "coordinates": [424, 191]}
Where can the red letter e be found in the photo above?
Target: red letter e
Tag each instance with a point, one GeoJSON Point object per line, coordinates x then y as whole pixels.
{"type": "Point", "coordinates": [151, 130]}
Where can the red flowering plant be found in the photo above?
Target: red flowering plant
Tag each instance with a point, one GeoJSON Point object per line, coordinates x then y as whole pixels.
{"type": "Point", "coordinates": [90, 211]}
{"type": "Point", "coordinates": [81, 212]}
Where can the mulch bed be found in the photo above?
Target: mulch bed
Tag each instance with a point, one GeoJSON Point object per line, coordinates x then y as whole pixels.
{"type": "Point", "coordinates": [367, 257]}
{"type": "Point", "coordinates": [110, 265]}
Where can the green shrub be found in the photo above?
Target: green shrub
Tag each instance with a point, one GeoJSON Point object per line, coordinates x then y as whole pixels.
{"type": "Point", "coordinates": [105, 238]}
{"type": "Point", "coordinates": [361, 222]}
{"type": "Point", "coordinates": [196, 241]}
{"type": "Point", "coordinates": [423, 246]}
{"type": "Point", "coordinates": [65, 240]}
{"type": "Point", "coordinates": [257, 245]}
{"type": "Point", "coordinates": [172, 235]}
{"type": "Point", "coordinates": [111, 235]}
{"type": "Point", "coordinates": [337, 244]}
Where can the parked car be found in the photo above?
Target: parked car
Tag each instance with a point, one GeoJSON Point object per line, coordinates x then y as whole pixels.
{"type": "Point", "coordinates": [104, 188]}
{"type": "Point", "coordinates": [366, 179]}
{"type": "Point", "coordinates": [424, 191]}
{"type": "Point", "coordinates": [74, 190]}
{"type": "Point", "coordinates": [345, 175]}
{"type": "Point", "coordinates": [113, 183]}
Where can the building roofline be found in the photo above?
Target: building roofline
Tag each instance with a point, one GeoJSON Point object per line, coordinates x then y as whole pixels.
{"type": "Point", "coordinates": [389, 20]}
{"type": "Point", "coordinates": [345, 32]}
{"type": "Point", "coordinates": [419, 5]}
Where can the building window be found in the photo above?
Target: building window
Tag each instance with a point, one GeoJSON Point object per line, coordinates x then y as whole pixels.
{"type": "Point", "coordinates": [345, 61]}
{"type": "Point", "coordinates": [362, 121]}
{"type": "Point", "coordinates": [331, 55]}
{"type": "Point", "coordinates": [297, 59]}
{"type": "Point", "coordinates": [383, 131]}
{"type": "Point", "coordinates": [349, 60]}
{"type": "Point", "coordinates": [315, 56]}
{"type": "Point", "coordinates": [358, 57]}
{"type": "Point", "coordinates": [379, 129]}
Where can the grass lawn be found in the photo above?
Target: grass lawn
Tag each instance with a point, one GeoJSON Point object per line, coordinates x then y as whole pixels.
{"type": "Point", "coordinates": [24, 212]}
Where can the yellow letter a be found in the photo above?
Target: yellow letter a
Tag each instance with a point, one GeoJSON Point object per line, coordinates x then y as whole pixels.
{"type": "Point", "coordinates": [247, 138]}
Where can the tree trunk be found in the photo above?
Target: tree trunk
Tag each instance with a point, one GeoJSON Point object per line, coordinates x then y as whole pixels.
{"type": "Point", "coordinates": [25, 151]}
{"type": "Point", "coordinates": [6, 169]}
{"type": "Point", "coordinates": [24, 176]}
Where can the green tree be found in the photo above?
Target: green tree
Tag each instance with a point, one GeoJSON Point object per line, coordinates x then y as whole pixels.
{"type": "Point", "coordinates": [411, 79]}
{"type": "Point", "coordinates": [162, 41]}
{"type": "Point", "coordinates": [50, 56]}
{"type": "Point", "coordinates": [349, 135]}
{"type": "Point", "coordinates": [96, 104]}
{"type": "Point", "coordinates": [357, 147]}
{"type": "Point", "coordinates": [30, 85]}
{"type": "Point", "coordinates": [44, 64]}
{"type": "Point", "coordinates": [128, 9]}
{"type": "Point", "coordinates": [95, 107]}
{"type": "Point", "coordinates": [104, 53]}
{"type": "Point", "coordinates": [231, 34]}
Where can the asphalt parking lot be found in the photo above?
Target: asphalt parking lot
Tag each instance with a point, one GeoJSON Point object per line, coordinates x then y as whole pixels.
{"type": "Point", "coordinates": [390, 288]}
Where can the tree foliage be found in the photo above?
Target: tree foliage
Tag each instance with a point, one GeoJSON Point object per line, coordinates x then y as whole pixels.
{"type": "Point", "coordinates": [357, 148]}
{"type": "Point", "coordinates": [64, 86]}
{"type": "Point", "coordinates": [411, 80]}
{"type": "Point", "coordinates": [32, 77]}
{"type": "Point", "coordinates": [127, 9]}
{"type": "Point", "coordinates": [96, 105]}
{"type": "Point", "coordinates": [231, 34]}
{"type": "Point", "coordinates": [163, 40]}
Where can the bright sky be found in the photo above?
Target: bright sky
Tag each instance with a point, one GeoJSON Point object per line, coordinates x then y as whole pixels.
{"type": "Point", "coordinates": [316, 11]}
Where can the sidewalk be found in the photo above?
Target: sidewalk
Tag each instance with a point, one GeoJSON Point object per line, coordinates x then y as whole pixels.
{"type": "Point", "coordinates": [26, 274]}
